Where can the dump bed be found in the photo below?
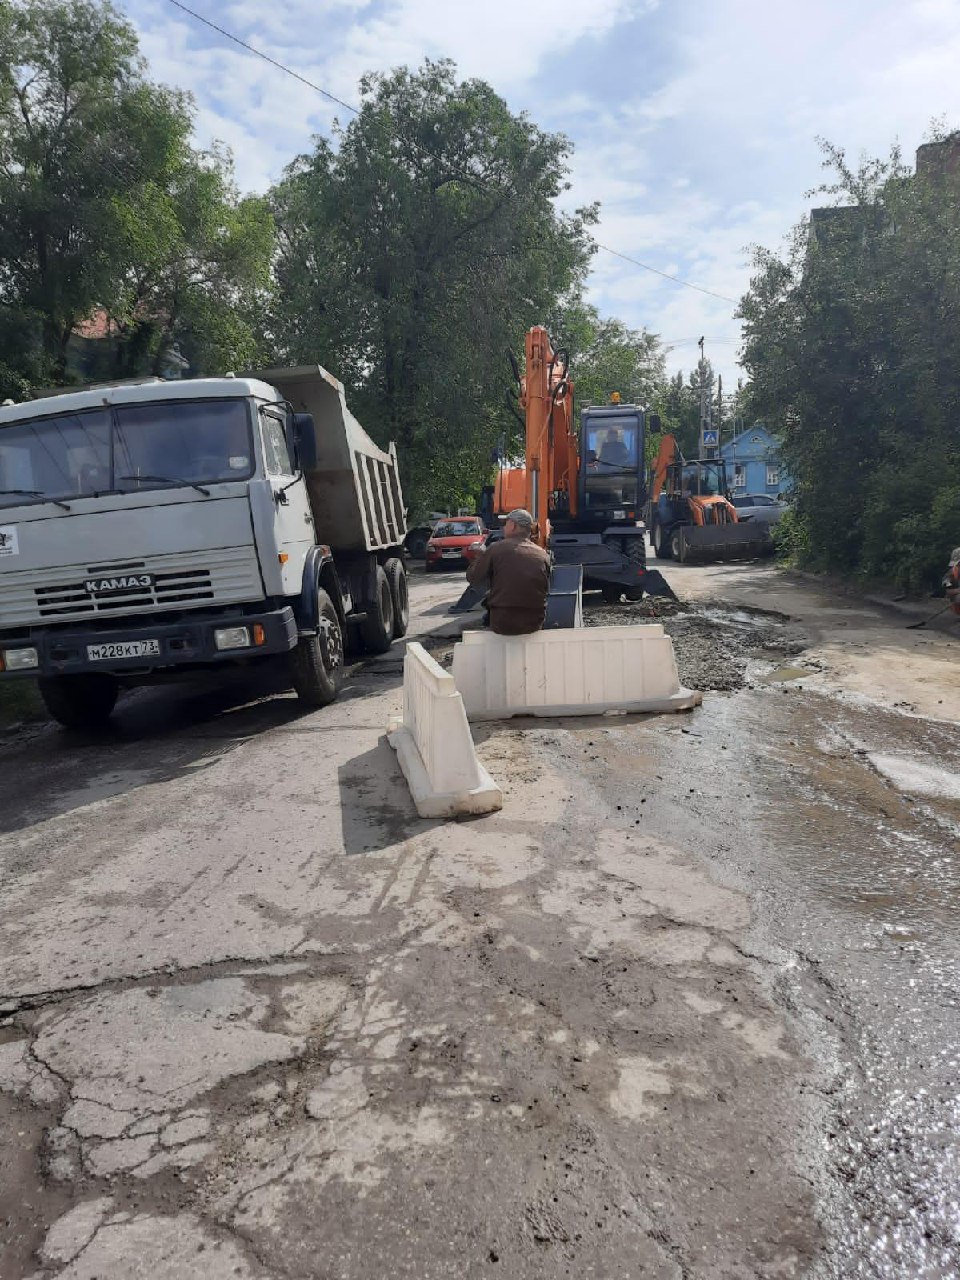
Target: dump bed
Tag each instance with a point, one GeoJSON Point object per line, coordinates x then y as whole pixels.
{"type": "Point", "coordinates": [354, 489]}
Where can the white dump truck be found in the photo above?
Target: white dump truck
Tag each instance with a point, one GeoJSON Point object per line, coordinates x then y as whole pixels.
{"type": "Point", "coordinates": [153, 529]}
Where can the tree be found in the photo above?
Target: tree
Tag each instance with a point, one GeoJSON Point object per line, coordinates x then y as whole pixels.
{"type": "Point", "coordinates": [853, 347]}
{"type": "Point", "coordinates": [679, 405]}
{"type": "Point", "coordinates": [415, 254]}
{"type": "Point", "coordinates": [103, 203]}
{"type": "Point", "coordinates": [607, 356]}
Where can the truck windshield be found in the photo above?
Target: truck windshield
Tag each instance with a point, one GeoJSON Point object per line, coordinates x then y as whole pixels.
{"type": "Point", "coordinates": [125, 448]}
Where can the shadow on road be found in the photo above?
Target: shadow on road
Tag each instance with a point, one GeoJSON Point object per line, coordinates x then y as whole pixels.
{"type": "Point", "coordinates": [163, 732]}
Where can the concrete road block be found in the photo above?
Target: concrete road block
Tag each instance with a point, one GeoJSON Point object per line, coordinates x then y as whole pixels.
{"type": "Point", "coordinates": [434, 746]}
{"type": "Point", "coordinates": [583, 671]}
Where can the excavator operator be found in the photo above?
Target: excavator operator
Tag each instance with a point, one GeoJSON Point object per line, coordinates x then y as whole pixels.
{"type": "Point", "coordinates": [516, 575]}
{"type": "Point", "coordinates": [613, 452]}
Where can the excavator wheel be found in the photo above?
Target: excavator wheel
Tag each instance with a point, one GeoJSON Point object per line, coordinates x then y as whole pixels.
{"type": "Point", "coordinates": [661, 543]}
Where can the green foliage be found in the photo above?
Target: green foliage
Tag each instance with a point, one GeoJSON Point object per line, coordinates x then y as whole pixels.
{"type": "Point", "coordinates": [606, 356]}
{"type": "Point", "coordinates": [853, 346]}
{"type": "Point", "coordinates": [679, 405]}
{"type": "Point", "coordinates": [415, 255]}
{"type": "Point", "coordinates": [790, 538]}
{"type": "Point", "coordinates": [19, 702]}
{"type": "Point", "coordinates": [105, 208]}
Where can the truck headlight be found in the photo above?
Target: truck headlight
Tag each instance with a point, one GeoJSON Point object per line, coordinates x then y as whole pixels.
{"type": "Point", "coordinates": [619, 515]}
{"type": "Point", "coordinates": [19, 659]}
{"type": "Point", "coordinates": [231, 638]}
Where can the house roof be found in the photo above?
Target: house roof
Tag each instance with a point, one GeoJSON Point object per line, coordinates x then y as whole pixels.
{"type": "Point", "coordinates": [746, 437]}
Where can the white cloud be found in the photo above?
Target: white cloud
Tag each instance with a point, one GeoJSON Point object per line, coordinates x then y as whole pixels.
{"type": "Point", "coordinates": [694, 124]}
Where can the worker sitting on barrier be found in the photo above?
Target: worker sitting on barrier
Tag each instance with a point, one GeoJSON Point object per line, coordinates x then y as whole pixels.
{"type": "Point", "coordinates": [516, 575]}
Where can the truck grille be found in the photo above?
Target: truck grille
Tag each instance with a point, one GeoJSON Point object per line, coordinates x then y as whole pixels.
{"type": "Point", "coordinates": [177, 588]}
{"type": "Point", "coordinates": [179, 582]}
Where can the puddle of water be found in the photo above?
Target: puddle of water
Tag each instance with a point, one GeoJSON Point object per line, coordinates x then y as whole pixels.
{"type": "Point", "coordinates": [759, 618]}
{"type": "Point", "coordinates": [780, 675]}
{"type": "Point", "coordinates": [921, 779]}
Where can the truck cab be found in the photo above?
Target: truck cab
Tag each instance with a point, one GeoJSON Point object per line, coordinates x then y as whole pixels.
{"type": "Point", "coordinates": [153, 529]}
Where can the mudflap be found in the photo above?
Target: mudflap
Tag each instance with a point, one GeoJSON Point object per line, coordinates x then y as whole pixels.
{"type": "Point", "coordinates": [470, 600]}
{"type": "Point", "coordinates": [724, 542]}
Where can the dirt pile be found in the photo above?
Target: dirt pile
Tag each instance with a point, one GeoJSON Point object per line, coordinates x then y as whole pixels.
{"type": "Point", "coordinates": [714, 645]}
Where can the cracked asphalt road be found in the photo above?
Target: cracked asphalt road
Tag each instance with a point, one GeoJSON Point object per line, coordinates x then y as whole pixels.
{"type": "Point", "coordinates": [682, 1009]}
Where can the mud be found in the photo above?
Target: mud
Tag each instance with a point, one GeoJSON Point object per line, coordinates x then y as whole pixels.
{"type": "Point", "coordinates": [715, 646]}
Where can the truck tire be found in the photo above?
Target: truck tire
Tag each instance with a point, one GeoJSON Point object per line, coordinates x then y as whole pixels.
{"type": "Point", "coordinates": [316, 664]}
{"type": "Point", "coordinates": [80, 702]}
{"type": "Point", "coordinates": [676, 545]}
{"type": "Point", "coordinates": [661, 543]}
{"type": "Point", "coordinates": [397, 577]}
{"type": "Point", "coordinates": [376, 630]}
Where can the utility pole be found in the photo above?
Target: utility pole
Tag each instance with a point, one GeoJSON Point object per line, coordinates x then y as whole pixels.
{"type": "Point", "coordinates": [703, 401]}
{"type": "Point", "coordinates": [719, 407]}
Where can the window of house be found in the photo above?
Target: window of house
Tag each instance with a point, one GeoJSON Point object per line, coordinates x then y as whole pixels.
{"type": "Point", "coordinates": [739, 475]}
{"type": "Point", "coordinates": [773, 477]}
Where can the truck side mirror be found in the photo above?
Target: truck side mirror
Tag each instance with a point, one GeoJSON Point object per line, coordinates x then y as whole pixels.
{"type": "Point", "coordinates": [305, 441]}
{"type": "Point", "coordinates": [653, 423]}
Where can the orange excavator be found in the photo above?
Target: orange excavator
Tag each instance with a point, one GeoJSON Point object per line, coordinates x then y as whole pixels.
{"type": "Point", "coordinates": [584, 490]}
{"type": "Point", "coordinates": [690, 516]}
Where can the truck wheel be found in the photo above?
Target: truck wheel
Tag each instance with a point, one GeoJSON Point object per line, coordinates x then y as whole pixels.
{"type": "Point", "coordinates": [676, 547]}
{"type": "Point", "coordinates": [376, 630]}
{"type": "Point", "coordinates": [397, 577]}
{"type": "Point", "coordinates": [316, 664]}
{"type": "Point", "coordinates": [661, 543]}
{"type": "Point", "coordinates": [80, 702]}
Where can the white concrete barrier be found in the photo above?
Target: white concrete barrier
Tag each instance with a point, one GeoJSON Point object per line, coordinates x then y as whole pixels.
{"type": "Point", "coordinates": [434, 746]}
{"type": "Point", "coordinates": [583, 671]}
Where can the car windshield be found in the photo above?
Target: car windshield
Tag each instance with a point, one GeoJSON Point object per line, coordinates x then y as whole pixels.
{"type": "Point", "coordinates": [125, 448]}
{"type": "Point", "coordinates": [457, 529]}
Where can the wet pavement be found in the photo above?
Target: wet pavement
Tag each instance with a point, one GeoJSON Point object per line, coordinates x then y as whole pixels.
{"type": "Point", "coordinates": [687, 1007]}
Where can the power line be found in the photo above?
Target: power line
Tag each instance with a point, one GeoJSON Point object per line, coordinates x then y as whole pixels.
{"type": "Point", "coordinates": [265, 56]}
{"type": "Point", "coordinates": [657, 272]}
{"type": "Point", "coordinates": [355, 110]}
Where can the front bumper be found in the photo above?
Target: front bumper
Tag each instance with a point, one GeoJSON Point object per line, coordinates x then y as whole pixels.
{"type": "Point", "coordinates": [184, 644]}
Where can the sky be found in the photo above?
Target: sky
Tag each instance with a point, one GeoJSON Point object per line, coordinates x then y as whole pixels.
{"type": "Point", "coordinates": [694, 122]}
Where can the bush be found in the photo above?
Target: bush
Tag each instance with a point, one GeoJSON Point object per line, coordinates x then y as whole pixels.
{"type": "Point", "coordinates": [19, 701]}
{"type": "Point", "coordinates": [791, 538]}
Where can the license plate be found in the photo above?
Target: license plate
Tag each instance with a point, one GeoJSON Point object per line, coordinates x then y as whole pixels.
{"type": "Point", "coordinates": [451, 555]}
{"type": "Point", "coordinates": [123, 649]}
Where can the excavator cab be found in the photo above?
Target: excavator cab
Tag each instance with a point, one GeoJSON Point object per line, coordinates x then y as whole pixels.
{"type": "Point", "coordinates": [611, 475]}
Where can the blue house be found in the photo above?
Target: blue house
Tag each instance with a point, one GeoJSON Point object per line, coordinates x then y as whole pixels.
{"type": "Point", "coordinates": [753, 463]}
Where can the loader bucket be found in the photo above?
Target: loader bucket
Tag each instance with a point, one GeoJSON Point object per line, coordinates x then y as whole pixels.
{"type": "Point", "coordinates": [733, 541]}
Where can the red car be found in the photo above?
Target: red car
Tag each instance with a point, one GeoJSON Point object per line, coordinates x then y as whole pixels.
{"type": "Point", "coordinates": [454, 541]}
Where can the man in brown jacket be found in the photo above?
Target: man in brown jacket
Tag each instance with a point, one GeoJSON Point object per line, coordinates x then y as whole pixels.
{"type": "Point", "coordinates": [516, 575]}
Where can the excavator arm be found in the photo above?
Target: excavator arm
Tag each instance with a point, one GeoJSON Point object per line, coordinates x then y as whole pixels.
{"type": "Point", "coordinates": [552, 460]}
